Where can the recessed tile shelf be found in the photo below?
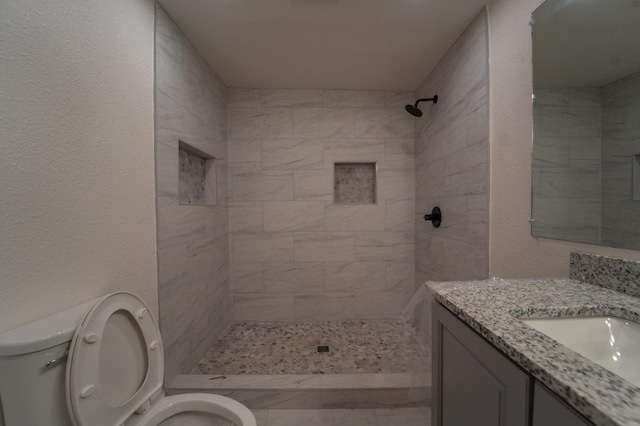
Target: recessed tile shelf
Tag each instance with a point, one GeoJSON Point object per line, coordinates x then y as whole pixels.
{"type": "Point", "coordinates": [197, 176]}
{"type": "Point", "coordinates": [355, 183]}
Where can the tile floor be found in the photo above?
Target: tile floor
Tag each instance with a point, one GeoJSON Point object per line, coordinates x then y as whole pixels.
{"type": "Point", "coordinates": [291, 348]}
{"type": "Point", "coordinates": [362, 417]}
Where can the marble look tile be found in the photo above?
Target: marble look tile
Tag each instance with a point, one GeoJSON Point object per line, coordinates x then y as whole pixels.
{"type": "Point", "coordinates": [262, 247]}
{"type": "Point", "coordinates": [444, 139]}
{"type": "Point", "coordinates": [400, 145]}
{"type": "Point", "coordinates": [355, 276]}
{"type": "Point", "coordinates": [466, 172]}
{"type": "Point", "coordinates": [294, 277]}
{"type": "Point", "coordinates": [263, 307]}
{"type": "Point", "coordinates": [354, 150]}
{"type": "Point", "coordinates": [571, 121]}
{"type": "Point", "coordinates": [400, 161]}
{"type": "Point", "coordinates": [324, 306]}
{"type": "Point", "coordinates": [247, 277]}
{"type": "Point", "coordinates": [396, 184]}
{"type": "Point", "coordinates": [268, 185]}
{"type": "Point", "coordinates": [430, 179]}
{"type": "Point", "coordinates": [292, 154]}
{"type": "Point", "coordinates": [321, 417]}
{"type": "Point", "coordinates": [564, 183]}
{"type": "Point", "coordinates": [400, 215]}
{"type": "Point", "coordinates": [179, 224]}
{"type": "Point", "coordinates": [354, 217]}
{"type": "Point", "coordinates": [293, 215]}
{"type": "Point", "coordinates": [323, 123]}
{"type": "Point", "coordinates": [353, 98]}
{"type": "Point", "coordinates": [324, 246]}
{"type": "Point", "coordinates": [584, 97]}
{"type": "Point", "coordinates": [167, 170]}
{"type": "Point", "coordinates": [477, 219]}
{"type": "Point", "coordinates": [551, 152]}
{"type": "Point", "coordinates": [381, 304]}
{"type": "Point", "coordinates": [417, 416]}
{"type": "Point", "coordinates": [313, 185]}
{"type": "Point", "coordinates": [383, 123]}
{"type": "Point", "coordinates": [245, 216]}
{"type": "Point", "coordinates": [399, 98]}
{"type": "Point", "coordinates": [385, 245]}
{"type": "Point", "coordinates": [191, 107]}
{"type": "Point", "coordinates": [551, 97]}
{"type": "Point", "coordinates": [291, 98]}
{"type": "Point", "coordinates": [252, 123]}
{"type": "Point", "coordinates": [400, 276]}
{"type": "Point", "coordinates": [261, 416]}
{"type": "Point", "coordinates": [366, 399]}
{"type": "Point", "coordinates": [475, 260]}
{"type": "Point", "coordinates": [244, 98]}
{"type": "Point", "coordinates": [245, 153]}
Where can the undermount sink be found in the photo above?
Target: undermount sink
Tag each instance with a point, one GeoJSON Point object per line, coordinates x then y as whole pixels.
{"type": "Point", "coordinates": [613, 343]}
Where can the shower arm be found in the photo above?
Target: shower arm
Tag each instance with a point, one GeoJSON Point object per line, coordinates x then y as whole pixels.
{"type": "Point", "coordinates": [434, 100]}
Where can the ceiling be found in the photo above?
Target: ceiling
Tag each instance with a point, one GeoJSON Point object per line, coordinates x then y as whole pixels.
{"type": "Point", "coordinates": [585, 43]}
{"type": "Point", "coordinates": [323, 44]}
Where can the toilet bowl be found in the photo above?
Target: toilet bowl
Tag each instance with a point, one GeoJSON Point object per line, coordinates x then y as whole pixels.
{"type": "Point", "coordinates": [115, 371]}
{"type": "Point", "coordinates": [192, 409]}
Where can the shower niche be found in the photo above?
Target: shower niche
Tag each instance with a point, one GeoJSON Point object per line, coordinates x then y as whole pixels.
{"type": "Point", "coordinates": [354, 183]}
{"type": "Point", "coordinates": [197, 176]}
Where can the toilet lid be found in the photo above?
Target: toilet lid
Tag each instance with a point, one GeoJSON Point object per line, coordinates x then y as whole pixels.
{"type": "Point", "coordinates": [115, 361]}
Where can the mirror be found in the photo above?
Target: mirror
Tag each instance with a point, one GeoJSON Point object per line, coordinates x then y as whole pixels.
{"type": "Point", "coordinates": [586, 121]}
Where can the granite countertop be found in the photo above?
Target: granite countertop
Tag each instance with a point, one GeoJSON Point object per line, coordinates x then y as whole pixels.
{"type": "Point", "coordinates": [492, 308]}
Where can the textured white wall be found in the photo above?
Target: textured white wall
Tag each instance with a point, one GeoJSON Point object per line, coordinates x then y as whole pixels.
{"type": "Point", "coordinates": [513, 251]}
{"type": "Point", "coordinates": [76, 154]}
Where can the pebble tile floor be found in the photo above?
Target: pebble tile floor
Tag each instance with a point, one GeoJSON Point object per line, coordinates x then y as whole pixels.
{"type": "Point", "coordinates": [291, 348]}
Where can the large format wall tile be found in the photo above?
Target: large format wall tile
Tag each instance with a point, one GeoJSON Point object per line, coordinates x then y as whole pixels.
{"type": "Point", "coordinates": [355, 276]}
{"type": "Point", "coordinates": [288, 236]}
{"type": "Point", "coordinates": [194, 291]}
{"type": "Point", "coordinates": [293, 215]}
{"type": "Point", "coordinates": [452, 163]}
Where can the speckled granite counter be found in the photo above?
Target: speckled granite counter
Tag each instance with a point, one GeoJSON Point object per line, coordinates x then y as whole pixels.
{"type": "Point", "coordinates": [491, 308]}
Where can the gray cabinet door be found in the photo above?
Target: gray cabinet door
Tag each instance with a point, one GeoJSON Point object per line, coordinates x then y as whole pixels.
{"type": "Point", "coordinates": [473, 383]}
{"type": "Point", "coordinates": [549, 410]}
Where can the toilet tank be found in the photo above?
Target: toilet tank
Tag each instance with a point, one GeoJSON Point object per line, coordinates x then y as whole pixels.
{"type": "Point", "coordinates": [33, 368]}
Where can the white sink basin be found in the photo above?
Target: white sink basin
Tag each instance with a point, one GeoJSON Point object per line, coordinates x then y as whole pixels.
{"type": "Point", "coordinates": [613, 343]}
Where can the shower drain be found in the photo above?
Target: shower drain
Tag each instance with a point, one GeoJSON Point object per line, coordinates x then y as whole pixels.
{"type": "Point", "coordinates": [323, 349]}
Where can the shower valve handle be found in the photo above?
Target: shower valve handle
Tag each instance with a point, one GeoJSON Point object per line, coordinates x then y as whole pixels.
{"type": "Point", "coordinates": [435, 217]}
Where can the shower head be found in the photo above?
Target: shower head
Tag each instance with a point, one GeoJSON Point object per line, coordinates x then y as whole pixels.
{"type": "Point", "coordinates": [415, 111]}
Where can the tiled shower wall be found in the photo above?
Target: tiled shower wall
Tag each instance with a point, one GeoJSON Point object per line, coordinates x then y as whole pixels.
{"type": "Point", "coordinates": [620, 143]}
{"type": "Point", "coordinates": [566, 164]}
{"type": "Point", "coordinates": [295, 255]}
{"type": "Point", "coordinates": [451, 162]}
{"type": "Point", "coordinates": [193, 257]}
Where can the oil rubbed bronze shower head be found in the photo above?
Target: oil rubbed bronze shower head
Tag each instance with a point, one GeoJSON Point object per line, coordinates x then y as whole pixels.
{"type": "Point", "coordinates": [415, 111]}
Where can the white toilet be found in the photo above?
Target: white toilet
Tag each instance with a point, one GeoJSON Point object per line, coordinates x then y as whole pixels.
{"type": "Point", "coordinates": [113, 376]}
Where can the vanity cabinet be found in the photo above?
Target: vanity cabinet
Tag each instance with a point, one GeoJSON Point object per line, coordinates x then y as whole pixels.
{"type": "Point", "coordinates": [548, 409]}
{"type": "Point", "coordinates": [474, 384]}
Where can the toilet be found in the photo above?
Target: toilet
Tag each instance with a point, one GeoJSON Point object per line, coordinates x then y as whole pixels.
{"type": "Point", "coordinates": [113, 376]}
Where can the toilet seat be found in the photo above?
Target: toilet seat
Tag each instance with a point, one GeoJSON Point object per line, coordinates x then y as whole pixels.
{"type": "Point", "coordinates": [115, 363]}
{"type": "Point", "coordinates": [115, 369]}
{"type": "Point", "coordinates": [196, 402]}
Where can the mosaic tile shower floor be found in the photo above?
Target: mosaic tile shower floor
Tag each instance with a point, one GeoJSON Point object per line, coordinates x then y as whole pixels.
{"type": "Point", "coordinates": [291, 348]}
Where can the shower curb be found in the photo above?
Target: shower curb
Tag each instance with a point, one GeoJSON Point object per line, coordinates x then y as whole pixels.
{"type": "Point", "coordinates": [311, 391]}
